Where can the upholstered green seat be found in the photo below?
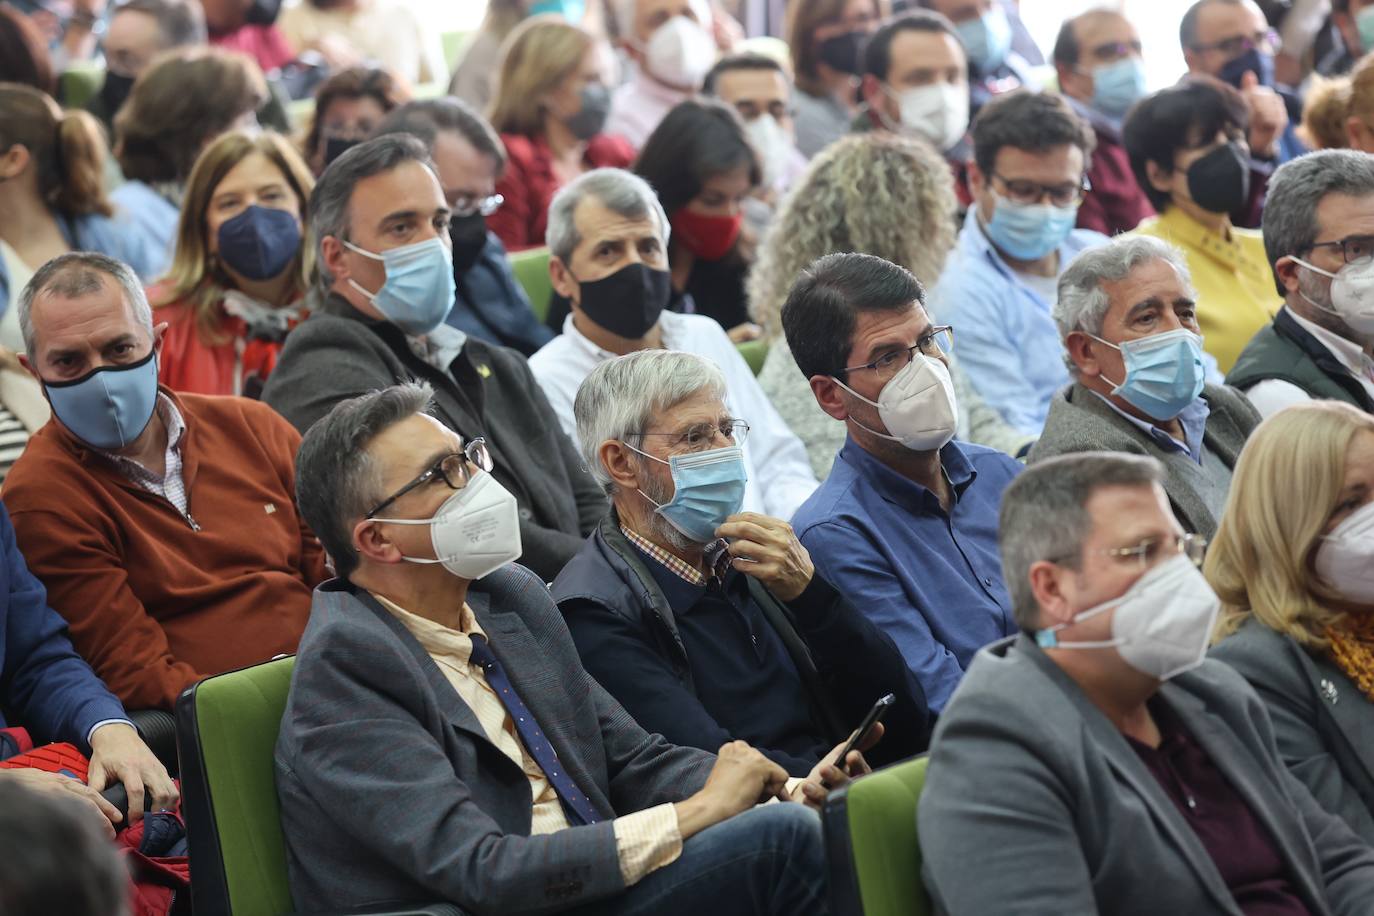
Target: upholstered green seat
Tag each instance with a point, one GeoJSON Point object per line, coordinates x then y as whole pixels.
{"type": "Point", "coordinates": [871, 846]}
{"type": "Point", "coordinates": [754, 353]}
{"type": "Point", "coordinates": [531, 269]}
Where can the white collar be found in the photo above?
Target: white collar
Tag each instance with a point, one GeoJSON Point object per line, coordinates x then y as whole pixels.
{"type": "Point", "coordinates": [1347, 352]}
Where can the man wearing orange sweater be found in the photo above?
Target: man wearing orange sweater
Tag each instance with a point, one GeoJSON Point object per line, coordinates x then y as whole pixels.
{"type": "Point", "coordinates": [164, 526]}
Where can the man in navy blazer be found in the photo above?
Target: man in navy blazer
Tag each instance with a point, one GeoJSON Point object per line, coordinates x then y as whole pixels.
{"type": "Point", "coordinates": [441, 739]}
{"type": "Point", "coordinates": [55, 696]}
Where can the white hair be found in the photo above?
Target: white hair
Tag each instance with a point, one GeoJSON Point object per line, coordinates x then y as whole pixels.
{"type": "Point", "coordinates": [622, 396]}
{"type": "Point", "coordinates": [623, 193]}
{"type": "Point", "coordinates": [1082, 302]}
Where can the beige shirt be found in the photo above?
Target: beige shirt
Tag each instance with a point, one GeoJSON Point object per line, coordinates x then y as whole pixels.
{"type": "Point", "coordinates": [383, 32]}
{"type": "Point", "coordinates": [645, 841]}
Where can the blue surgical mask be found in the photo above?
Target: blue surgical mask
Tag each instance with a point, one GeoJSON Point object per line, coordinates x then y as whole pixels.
{"type": "Point", "coordinates": [109, 407]}
{"type": "Point", "coordinates": [987, 39]}
{"type": "Point", "coordinates": [709, 488]}
{"type": "Point", "coordinates": [1364, 23]}
{"type": "Point", "coordinates": [1164, 372]}
{"type": "Point", "coordinates": [419, 289]}
{"type": "Point", "coordinates": [1028, 232]}
{"type": "Point", "coordinates": [260, 242]}
{"type": "Point", "coordinates": [1253, 61]}
{"type": "Point", "coordinates": [571, 10]}
{"type": "Point", "coordinates": [1118, 85]}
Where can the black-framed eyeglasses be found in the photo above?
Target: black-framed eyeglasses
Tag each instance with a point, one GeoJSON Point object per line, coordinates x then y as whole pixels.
{"type": "Point", "coordinates": [1265, 40]}
{"type": "Point", "coordinates": [452, 469]}
{"type": "Point", "coordinates": [466, 206]}
{"type": "Point", "coordinates": [701, 436]}
{"type": "Point", "coordinates": [1112, 51]}
{"type": "Point", "coordinates": [1354, 248]}
{"type": "Point", "coordinates": [1023, 191]}
{"type": "Point", "coordinates": [935, 342]}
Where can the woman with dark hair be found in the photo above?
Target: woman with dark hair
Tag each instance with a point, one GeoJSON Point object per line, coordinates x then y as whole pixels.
{"type": "Point", "coordinates": [348, 106]}
{"type": "Point", "coordinates": [181, 103]}
{"type": "Point", "coordinates": [1190, 156]}
{"type": "Point", "coordinates": [826, 39]}
{"type": "Point", "coordinates": [700, 163]}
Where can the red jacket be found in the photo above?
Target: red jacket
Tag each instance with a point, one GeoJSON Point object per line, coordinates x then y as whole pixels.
{"type": "Point", "coordinates": [529, 184]}
{"type": "Point", "coordinates": [1115, 203]}
{"type": "Point", "coordinates": [155, 604]}
{"type": "Point", "coordinates": [236, 365]}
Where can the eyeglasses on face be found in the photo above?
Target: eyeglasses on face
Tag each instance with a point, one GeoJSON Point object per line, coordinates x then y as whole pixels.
{"type": "Point", "coordinates": [1153, 551]}
{"type": "Point", "coordinates": [465, 206]}
{"type": "Point", "coordinates": [1266, 41]}
{"type": "Point", "coordinates": [1355, 249]}
{"type": "Point", "coordinates": [1023, 191]}
{"type": "Point", "coordinates": [701, 436]}
{"type": "Point", "coordinates": [453, 469]}
{"type": "Point", "coordinates": [933, 343]}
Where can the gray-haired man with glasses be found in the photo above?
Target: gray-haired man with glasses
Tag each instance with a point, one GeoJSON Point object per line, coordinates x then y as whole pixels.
{"type": "Point", "coordinates": [1099, 761]}
{"type": "Point", "coordinates": [1319, 236]}
{"type": "Point", "coordinates": [905, 525]}
{"type": "Point", "coordinates": [706, 622]}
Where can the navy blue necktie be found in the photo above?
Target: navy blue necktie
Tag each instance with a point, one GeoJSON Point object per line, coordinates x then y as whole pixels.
{"type": "Point", "coordinates": [576, 805]}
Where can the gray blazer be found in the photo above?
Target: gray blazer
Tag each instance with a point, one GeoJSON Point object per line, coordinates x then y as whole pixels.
{"type": "Point", "coordinates": [1080, 421]}
{"type": "Point", "coordinates": [391, 792]}
{"type": "Point", "coordinates": [1031, 785]}
{"type": "Point", "coordinates": [1323, 725]}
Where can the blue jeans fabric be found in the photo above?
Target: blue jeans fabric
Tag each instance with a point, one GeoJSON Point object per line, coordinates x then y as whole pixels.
{"type": "Point", "coordinates": [767, 860]}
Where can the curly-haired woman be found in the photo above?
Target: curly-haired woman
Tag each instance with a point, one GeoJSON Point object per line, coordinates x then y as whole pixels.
{"type": "Point", "coordinates": [879, 194]}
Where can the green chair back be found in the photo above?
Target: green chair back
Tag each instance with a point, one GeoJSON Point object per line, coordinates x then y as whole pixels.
{"type": "Point", "coordinates": [453, 42]}
{"type": "Point", "coordinates": [226, 733]}
{"type": "Point", "coordinates": [871, 844]}
{"type": "Point", "coordinates": [754, 353]}
{"type": "Point", "coordinates": [531, 269]}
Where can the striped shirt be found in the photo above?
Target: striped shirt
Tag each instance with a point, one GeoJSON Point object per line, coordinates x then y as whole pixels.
{"type": "Point", "coordinates": [13, 438]}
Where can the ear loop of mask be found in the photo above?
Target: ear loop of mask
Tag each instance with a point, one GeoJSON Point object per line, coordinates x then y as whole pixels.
{"type": "Point", "coordinates": [888, 436]}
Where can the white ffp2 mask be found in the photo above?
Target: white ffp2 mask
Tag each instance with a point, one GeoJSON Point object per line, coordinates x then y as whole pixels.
{"type": "Point", "coordinates": [475, 531]}
{"type": "Point", "coordinates": [1345, 559]}
{"type": "Point", "coordinates": [917, 405]}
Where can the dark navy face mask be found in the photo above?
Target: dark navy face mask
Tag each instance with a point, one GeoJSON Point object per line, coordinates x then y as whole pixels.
{"type": "Point", "coordinates": [1253, 61]}
{"type": "Point", "coordinates": [260, 242]}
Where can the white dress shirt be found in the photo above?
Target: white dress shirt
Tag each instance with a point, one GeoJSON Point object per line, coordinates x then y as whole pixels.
{"type": "Point", "coordinates": [1272, 395]}
{"type": "Point", "coordinates": [780, 477]}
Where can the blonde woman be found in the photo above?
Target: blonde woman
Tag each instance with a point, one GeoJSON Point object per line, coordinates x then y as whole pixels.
{"type": "Point", "coordinates": [880, 194]}
{"type": "Point", "coordinates": [1338, 113]}
{"type": "Point", "coordinates": [550, 107]}
{"type": "Point", "coordinates": [1293, 564]}
{"type": "Point", "coordinates": [241, 267]}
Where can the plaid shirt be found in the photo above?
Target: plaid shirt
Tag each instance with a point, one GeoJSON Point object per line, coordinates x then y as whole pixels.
{"type": "Point", "coordinates": [170, 485]}
{"type": "Point", "coordinates": [714, 554]}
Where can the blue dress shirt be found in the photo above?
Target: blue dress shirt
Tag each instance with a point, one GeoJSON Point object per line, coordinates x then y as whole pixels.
{"type": "Point", "coordinates": [489, 304]}
{"type": "Point", "coordinates": [1006, 341]}
{"type": "Point", "coordinates": [1193, 419]}
{"type": "Point", "coordinates": [931, 581]}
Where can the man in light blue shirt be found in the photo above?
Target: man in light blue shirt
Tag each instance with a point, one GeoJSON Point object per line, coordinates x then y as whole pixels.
{"type": "Point", "coordinates": [1028, 178]}
{"type": "Point", "coordinates": [1127, 315]}
{"type": "Point", "coordinates": [905, 525]}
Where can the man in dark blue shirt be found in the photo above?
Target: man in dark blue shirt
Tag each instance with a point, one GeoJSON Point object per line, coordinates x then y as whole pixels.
{"type": "Point", "coordinates": [905, 526]}
{"type": "Point", "coordinates": [708, 624]}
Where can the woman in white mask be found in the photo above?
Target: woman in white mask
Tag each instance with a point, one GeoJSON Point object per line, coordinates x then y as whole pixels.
{"type": "Point", "coordinates": [1293, 564]}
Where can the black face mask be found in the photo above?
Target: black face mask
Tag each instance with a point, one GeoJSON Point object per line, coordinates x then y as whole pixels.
{"type": "Point", "coordinates": [469, 237]}
{"type": "Point", "coordinates": [628, 302]}
{"type": "Point", "coordinates": [842, 52]}
{"type": "Point", "coordinates": [1219, 182]}
{"type": "Point", "coordinates": [115, 90]}
{"type": "Point", "coordinates": [334, 147]}
{"type": "Point", "coordinates": [262, 12]}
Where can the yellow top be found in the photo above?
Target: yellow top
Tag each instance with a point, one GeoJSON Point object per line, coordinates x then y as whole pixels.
{"type": "Point", "coordinates": [1235, 287]}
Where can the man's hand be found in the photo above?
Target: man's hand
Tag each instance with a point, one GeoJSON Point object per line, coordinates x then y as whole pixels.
{"type": "Point", "coordinates": [118, 754]}
{"type": "Point", "coordinates": [827, 775]}
{"type": "Point", "coordinates": [1268, 116]}
{"type": "Point", "coordinates": [741, 778]}
{"type": "Point", "coordinates": [42, 781]}
{"type": "Point", "coordinates": [766, 549]}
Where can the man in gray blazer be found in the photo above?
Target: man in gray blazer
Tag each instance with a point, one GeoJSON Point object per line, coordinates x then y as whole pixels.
{"type": "Point", "coordinates": [1097, 763]}
{"type": "Point", "coordinates": [1128, 320]}
{"type": "Point", "coordinates": [442, 741]}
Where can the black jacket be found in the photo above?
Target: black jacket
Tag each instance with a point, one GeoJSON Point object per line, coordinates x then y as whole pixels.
{"type": "Point", "coordinates": [338, 353]}
{"type": "Point", "coordinates": [615, 610]}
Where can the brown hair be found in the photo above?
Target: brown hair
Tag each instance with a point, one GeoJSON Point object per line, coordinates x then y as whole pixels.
{"type": "Point", "coordinates": [1323, 112]}
{"type": "Point", "coordinates": [354, 83]}
{"type": "Point", "coordinates": [184, 100]}
{"type": "Point", "coordinates": [23, 52]}
{"type": "Point", "coordinates": [194, 276]}
{"type": "Point", "coordinates": [536, 57]}
{"type": "Point", "coordinates": [803, 18]}
{"type": "Point", "coordinates": [67, 148]}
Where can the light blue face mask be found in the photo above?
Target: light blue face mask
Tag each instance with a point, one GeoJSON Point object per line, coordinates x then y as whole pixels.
{"type": "Point", "coordinates": [1164, 372]}
{"type": "Point", "coordinates": [1028, 232]}
{"type": "Point", "coordinates": [987, 39]}
{"type": "Point", "coordinates": [708, 489]}
{"type": "Point", "coordinates": [1364, 22]}
{"type": "Point", "coordinates": [571, 10]}
{"type": "Point", "coordinates": [419, 289]}
{"type": "Point", "coordinates": [109, 407]}
{"type": "Point", "coordinates": [1118, 85]}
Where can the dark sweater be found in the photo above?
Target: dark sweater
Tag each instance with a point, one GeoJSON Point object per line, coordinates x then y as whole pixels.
{"type": "Point", "coordinates": [339, 353]}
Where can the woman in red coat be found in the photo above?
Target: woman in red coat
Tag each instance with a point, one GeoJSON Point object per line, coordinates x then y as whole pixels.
{"type": "Point", "coordinates": [551, 103]}
{"type": "Point", "coordinates": [240, 272]}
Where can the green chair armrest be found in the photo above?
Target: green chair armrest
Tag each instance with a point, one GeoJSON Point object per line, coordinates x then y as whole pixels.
{"type": "Point", "coordinates": [754, 353]}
